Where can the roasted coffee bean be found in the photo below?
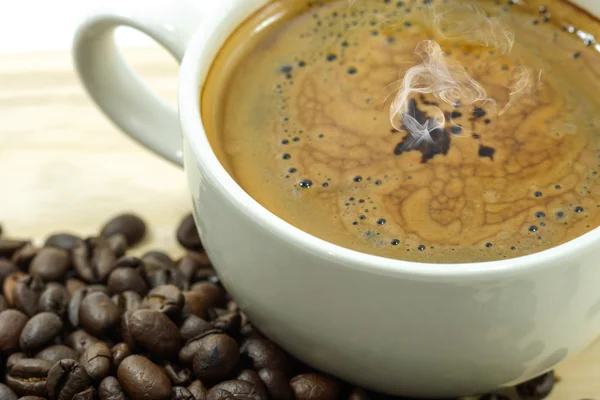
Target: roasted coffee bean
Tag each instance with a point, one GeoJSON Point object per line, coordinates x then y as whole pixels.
{"type": "Point", "coordinates": [126, 279]}
{"type": "Point", "coordinates": [40, 331]}
{"type": "Point", "coordinates": [87, 394]}
{"type": "Point", "coordinates": [129, 262]}
{"type": "Point", "coordinates": [178, 376]}
{"type": "Point", "coordinates": [64, 241]}
{"type": "Point", "coordinates": [23, 257]}
{"type": "Point", "coordinates": [7, 393]}
{"type": "Point", "coordinates": [74, 285]}
{"type": "Point", "coordinates": [155, 332]}
{"type": "Point", "coordinates": [50, 264]}
{"type": "Point", "coordinates": [142, 379]}
{"type": "Point", "coordinates": [129, 225]}
{"type": "Point", "coordinates": [8, 286]}
{"type": "Point", "coordinates": [187, 234]}
{"type": "Point", "coordinates": [277, 383]}
{"type": "Point", "coordinates": [193, 326]}
{"type": "Point", "coordinates": [14, 358]}
{"type": "Point", "coordinates": [9, 247]}
{"type": "Point", "coordinates": [6, 268]}
{"type": "Point", "coordinates": [167, 299]}
{"type": "Point", "coordinates": [12, 323]}
{"type": "Point", "coordinates": [3, 303]}
{"type": "Point", "coordinates": [96, 361]}
{"type": "Point", "coordinates": [194, 305]}
{"type": "Point", "coordinates": [127, 301]}
{"type": "Point", "coordinates": [195, 266]}
{"type": "Point", "coordinates": [110, 389]}
{"type": "Point", "coordinates": [27, 377]}
{"type": "Point", "coordinates": [263, 353]}
{"type": "Point", "coordinates": [54, 299]}
{"type": "Point", "coordinates": [66, 378]}
{"type": "Point", "coordinates": [26, 294]}
{"type": "Point", "coordinates": [119, 352]}
{"type": "Point", "coordinates": [75, 303]}
{"type": "Point", "coordinates": [198, 390]}
{"type": "Point", "coordinates": [159, 258]}
{"type": "Point", "coordinates": [80, 340]}
{"type": "Point", "coordinates": [252, 377]}
{"type": "Point", "coordinates": [181, 393]}
{"type": "Point", "coordinates": [56, 353]}
{"type": "Point", "coordinates": [187, 352]}
{"type": "Point", "coordinates": [537, 388]}
{"type": "Point", "coordinates": [314, 386]}
{"type": "Point", "coordinates": [216, 357]}
{"type": "Point", "coordinates": [118, 244]}
{"type": "Point", "coordinates": [230, 323]}
{"type": "Point", "coordinates": [93, 259]}
{"type": "Point", "coordinates": [235, 389]}
{"type": "Point", "coordinates": [98, 314]}
{"type": "Point", "coordinates": [213, 294]}
{"type": "Point", "coordinates": [125, 331]}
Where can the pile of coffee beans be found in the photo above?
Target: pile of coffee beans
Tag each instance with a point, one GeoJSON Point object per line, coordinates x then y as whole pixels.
{"type": "Point", "coordinates": [82, 320]}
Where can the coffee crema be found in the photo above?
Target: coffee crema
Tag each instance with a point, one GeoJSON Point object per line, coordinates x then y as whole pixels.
{"type": "Point", "coordinates": [297, 109]}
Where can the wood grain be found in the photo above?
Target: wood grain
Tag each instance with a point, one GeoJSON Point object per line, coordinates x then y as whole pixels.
{"type": "Point", "coordinates": [63, 166]}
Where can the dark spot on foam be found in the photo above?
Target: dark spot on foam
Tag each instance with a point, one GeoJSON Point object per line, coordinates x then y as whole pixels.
{"type": "Point", "coordinates": [421, 247]}
{"type": "Point", "coordinates": [455, 114]}
{"type": "Point", "coordinates": [296, 139]}
{"type": "Point", "coordinates": [479, 112]}
{"type": "Point", "coordinates": [378, 182]}
{"type": "Point", "coordinates": [538, 194]}
{"type": "Point", "coordinates": [504, 67]}
{"type": "Point", "coordinates": [577, 55]}
{"type": "Point", "coordinates": [408, 24]}
{"type": "Point", "coordinates": [325, 184]}
{"type": "Point", "coordinates": [361, 201]}
{"type": "Point", "coordinates": [533, 228]}
{"type": "Point", "coordinates": [400, 4]}
{"type": "Point", "coordinates": [285, 141]}
{"type": "Point", "coordinates": [488, 245]}
{"type": "Point", "coordinates": [456, 129]}
{"type": "Point", "coordinates": [286, 156]}
{"type": "Point", "coordinates": [381, 221]}
{"type": "Point", "coordinates": [578, 209]}
{"type": "Point", "coordinates": [355, 223]}
{"type": "Point", "coordinates": [286, 69]}
{"type": "Point", "coordinates": [292, 170]}
{"type": "Point", "coordinates": [485, 151]}
{"type": "Point", "coordinates": [357, 178]}
{"type": "Point", "coordinates": [362, 217]}
{"type": "Point", "coordinates": [487, 121]}
{"type": "Point", "coordinates": [305, 183]}
{"type": "Point", "coordinates": [513, 248]}
{"type": "Point", "coordinates": [557, 187]}
{"type": "Point", "coordinates": [331, 57]}
{"type": "Point", "coordinates": [345, 44]}
{"type": "Point", "coordinates": [302, 64]}
{"type": "Point", "coordinates": [560, 214]}
{"type": "Point", "coordinates": [352, 70]}
{"type": "Point", "coordinates": [395, 242]}
{"type": "Point", "coordinates": [540, 214]}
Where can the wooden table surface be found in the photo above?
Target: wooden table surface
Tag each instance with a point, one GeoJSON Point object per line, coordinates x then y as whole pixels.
{"type": "Point", "coordinates": [64, 167]}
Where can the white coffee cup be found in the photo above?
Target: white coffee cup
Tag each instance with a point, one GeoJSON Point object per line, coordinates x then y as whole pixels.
{"type": "Point", "coordinates": [427, 330]}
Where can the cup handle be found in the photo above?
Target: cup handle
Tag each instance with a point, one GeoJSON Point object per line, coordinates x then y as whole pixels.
{"type": "Point", "coordinates": [115, 87]}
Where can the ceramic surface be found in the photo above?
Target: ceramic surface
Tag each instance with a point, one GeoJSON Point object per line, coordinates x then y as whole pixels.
{"type": "Point", "coordinates": [390, 325]}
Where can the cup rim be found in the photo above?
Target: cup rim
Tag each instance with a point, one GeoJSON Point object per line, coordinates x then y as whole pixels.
{"type": "Point", "coordinates": [203, 48]}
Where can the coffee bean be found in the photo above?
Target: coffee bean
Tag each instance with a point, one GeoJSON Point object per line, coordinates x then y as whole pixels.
{"type": "Point", "coordinates": [127, 301]}
{"type": "Point", "coordinates": [216, 358]}
{"type": "Point", "coordinates": [27, 377]}
{"type": "Point", "coordinates": [129, 225]}
{"type": "Point", "coordinates": [230, 323]}
{"type": "Point", "coordinates": [187, 352]}
{"type": "Point", "coordinates": [126, 279]}
{"type": "Point", "coordinates": [143, 380]}
{"type": "Point", "coordinates": [195, 266]}
{"type": "Point", "coordinates": [110, 389]}
{"type": "Point", "coordinates": [66, 378]}
{"type": "Point", "coordinates": [198, 390]}
{"type": "Point", "coordinates": [155, 331]}
{"type": "Point", "coordinates": [263, 353]}
{"type": "Point", "coordinates": [277, 383]}
{"type": "Point", "coordinates": [314, 386]}
{"type": "Point", "coordinates": [87, 394]}
{"type": "Point", "coordinates": [126, 332]}
{"type": "Point", "coordinates": [235, 389]}
{"type": "Point", "coordinates": [193, 326]}
{"type": "Point", "coordinates": [158, 258]}
{"type": "Point", "coordinates": [98, 314]}
{"type": "Point", "coordinates": [96, 361]}
{"type": "Point", "coordinates": [73, 285]}
{"type": "Point", "coordinates": [8, 286]}
{"type": "Point", "coordinates": [118, 244]}
{"type": "Point", "coordinates": [3, 303]}
{"type": "Point", "coordinates": [40, 331]}
{"type": "Point", "coordinates": [187, 234]}
{"type": "Point", "coordinates": [63, 241]}
{"type": "Point", "coordinates": [24, 256]}
{"type": "Point", "coordinates": [358, 394]}
{"type": "Point", "coordinates": [537, 388]}
{"type": "Point", "coordinates": [7, 393]}
{"type": "Point", "coordinates": [119, 352]}
{"type": "Point", "coordinates": [93, 259]}
{"type": "Point", "coordinates": [252, 377]}
{"type": "Point", "coordinates": [75, 303]}
{"type": "Point", "coordinates": [213, 295]}
{"type": "Point", "coordinates": [6, 268]}
{"type": "Point", "coordinates": [178, 376]}
{"type": "Point", "coordinates": [167, 299]}
{"type": "Point", "coordinates": [54, 299]}
{"type": "Point", "coordinates": [181, 393]}
{"type": "Point", "coordinates": [80, 340]}
{"type": "Point", "coordinates": [50, 264]}
{"type": "Point", "coordinates": [9, 247]}
{"type": "Point", "coordinates": [14, 358]}
{"type": "Point", "coordinates": [26, 294]}
{"type": "Point", "coordinates": [56, 353]}
{"type": "Point", "coordinates": [12, 323]}
{"type": "Point", "coordinates": [194, 305]}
